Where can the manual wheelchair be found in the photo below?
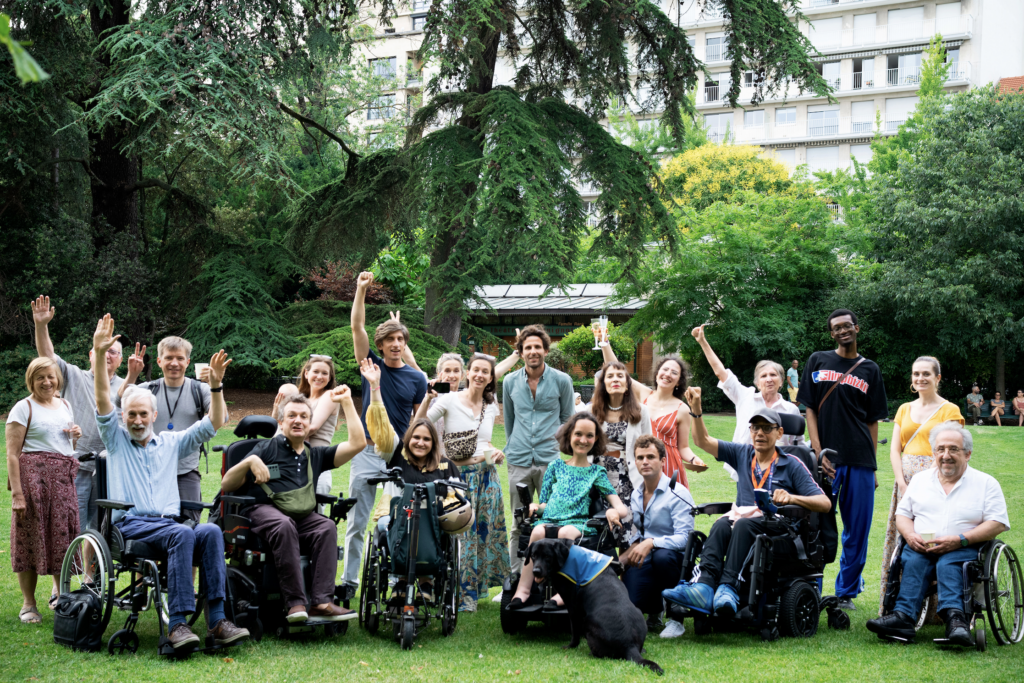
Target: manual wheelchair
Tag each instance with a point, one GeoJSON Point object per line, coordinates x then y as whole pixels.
{"type": "Point", "coordinates": [126, 574]}
{"type": "Point", "coordinates": [434, 554]}
{"type": "Point", "coordinates": [254, 598]}
{"type": "Point", "coordinates": [784, 569]}
{"type": "Point", "coordinates": [993, 587]}
{"type": "Point", "coordinates": [604, 542]}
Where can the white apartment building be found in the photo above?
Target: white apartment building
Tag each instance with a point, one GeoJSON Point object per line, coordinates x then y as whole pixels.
{"type": "Point", "coordinates": [871, 53]}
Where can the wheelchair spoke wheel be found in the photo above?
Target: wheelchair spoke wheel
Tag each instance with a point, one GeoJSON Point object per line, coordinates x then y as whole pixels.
{"type": "Point", "coordinates": [369, 591]}
{"type": "Point", "coordinates": [1003, 595]}
{"type": "Point", "coordinates": [87, 566]}
{"type": "Point", "coordinates": [450, 613]}
{"type": "Point", "coordinates": [799, 611]}
{"type": "Point", "coordinates": [163, 604]}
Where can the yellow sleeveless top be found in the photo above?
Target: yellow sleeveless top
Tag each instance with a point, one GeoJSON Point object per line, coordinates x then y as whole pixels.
{"type": "Point", "coordinates": [920, 444]}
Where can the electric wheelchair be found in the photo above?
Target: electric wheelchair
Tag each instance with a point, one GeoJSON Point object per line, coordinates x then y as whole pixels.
{"type": "Point", "coordinates": [126, 574]}
{"type": "Point", "coordinates": [993, 588]}
{"type": "Point", "coordinates": [604, 542]}
{"type": "Point", "coordinates": [410, 545]}
{"type": "Point", "coordinates": [781, 587]}
{"type": "Point", "coordinates": [254, 598]}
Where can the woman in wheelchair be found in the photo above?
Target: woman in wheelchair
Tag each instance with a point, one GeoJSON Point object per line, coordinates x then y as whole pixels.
{"type": "Point", "coordinates": [281, 476]}
{"type": "Point", "coordinates": [565, 493]}
{"type": "Point", "coordinates": [761, 466]}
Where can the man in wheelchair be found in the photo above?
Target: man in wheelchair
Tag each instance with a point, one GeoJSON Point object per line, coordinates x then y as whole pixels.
{"type": "Point", "coordinates": [280, 475]}
{"type": "Point", "coordinates": [945, 516]}
{"type": "Point", "coordinates": [763, 467]}
{"type": "Point", "coordinates": [142, 471]}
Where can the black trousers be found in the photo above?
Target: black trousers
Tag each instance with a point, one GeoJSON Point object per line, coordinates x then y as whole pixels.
{"type": "Point", "coordinates": [731, 542]}
{"type": "Point", "coordinates": [287, 537]}
{"type": "Point", "coordinates": [660, 570]}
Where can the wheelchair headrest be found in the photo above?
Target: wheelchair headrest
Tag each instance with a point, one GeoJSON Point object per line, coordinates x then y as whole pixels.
{"type": "Point", "coordinates": [251, 426]}
{"type": "Point", "coordinates": [792, 425]}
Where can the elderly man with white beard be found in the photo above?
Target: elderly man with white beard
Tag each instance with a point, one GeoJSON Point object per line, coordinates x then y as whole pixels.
{"type": "Point", "coordinates": [946, 514]}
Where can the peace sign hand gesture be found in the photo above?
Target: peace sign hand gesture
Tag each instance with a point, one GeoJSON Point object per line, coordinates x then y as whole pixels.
{"type": "Point", "coordinates": [135, 361]}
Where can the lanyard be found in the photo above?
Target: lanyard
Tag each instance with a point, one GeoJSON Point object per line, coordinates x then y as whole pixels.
{"type": "Point", "coordinates": [170, 410]}
{"type": "Point", "coordinates": [768, 475]}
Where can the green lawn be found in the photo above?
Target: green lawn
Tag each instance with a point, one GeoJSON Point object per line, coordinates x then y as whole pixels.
{"type": "Point", "coordinates": [480, 651]}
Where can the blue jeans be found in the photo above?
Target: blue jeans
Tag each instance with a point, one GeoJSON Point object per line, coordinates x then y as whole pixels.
{"type": "Point", "coordinates": [920, 570]}
{"type": "Point", "coordinates": [660, 570]}
{"type": "Point", "coordinates": [855, 489]}
{"type": "Point", "coordinates": [202, 546]}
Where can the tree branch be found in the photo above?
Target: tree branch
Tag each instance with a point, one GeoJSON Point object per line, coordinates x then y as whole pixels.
{"type": "Point", "coordinates": [352, 156]}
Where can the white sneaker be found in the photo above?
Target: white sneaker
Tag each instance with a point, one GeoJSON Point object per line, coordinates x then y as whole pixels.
{"type": "Point", "coordinates": [673, 629]}
{"type": "Point", "coordinates": [496, 598]}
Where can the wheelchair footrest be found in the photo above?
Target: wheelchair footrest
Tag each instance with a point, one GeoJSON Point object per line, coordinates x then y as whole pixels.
{"type": "Point", "coordinates": [897, 639]}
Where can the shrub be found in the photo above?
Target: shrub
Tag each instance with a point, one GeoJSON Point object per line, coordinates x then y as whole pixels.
{"type": "Point", "coordinates": [578, 346]}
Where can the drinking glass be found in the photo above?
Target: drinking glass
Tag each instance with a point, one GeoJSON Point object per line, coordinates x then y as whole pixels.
{"type": "Point", "coordinates": [595, 327]}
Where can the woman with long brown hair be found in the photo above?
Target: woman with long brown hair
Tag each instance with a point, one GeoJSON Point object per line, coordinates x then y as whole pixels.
{"type": "Point", "coordinates": [316, 380]}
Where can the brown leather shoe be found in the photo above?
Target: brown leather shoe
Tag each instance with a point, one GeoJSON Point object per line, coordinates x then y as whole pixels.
{"type": "Point", "coordinates": [332, 613]}
{"type": "Point", "coordinates": [182, 636]}
{"type": "Point", "coordinates": [225, 632]}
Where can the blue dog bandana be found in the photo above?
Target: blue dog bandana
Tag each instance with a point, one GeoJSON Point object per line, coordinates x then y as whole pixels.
{"type": "Point", "coordinates": [583, 566]}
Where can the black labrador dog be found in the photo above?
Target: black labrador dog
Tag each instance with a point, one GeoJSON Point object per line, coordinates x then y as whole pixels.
{"type": "Point", "coordinates": [600, 610]}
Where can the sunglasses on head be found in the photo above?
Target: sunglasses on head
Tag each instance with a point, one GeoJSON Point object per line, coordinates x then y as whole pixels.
{"type": "Point", "coordinates": [318, 356]}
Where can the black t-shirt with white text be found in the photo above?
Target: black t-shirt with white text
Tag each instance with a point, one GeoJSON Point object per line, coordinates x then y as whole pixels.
{"type": "Point", "coordinates": [844, 418]}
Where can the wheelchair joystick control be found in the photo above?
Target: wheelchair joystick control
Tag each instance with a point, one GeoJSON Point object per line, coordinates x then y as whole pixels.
{"type": "Point", "coordinates": [764, 502]}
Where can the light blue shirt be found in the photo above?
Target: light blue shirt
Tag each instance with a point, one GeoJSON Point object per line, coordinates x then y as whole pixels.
{"type": "Point", "coordinates": [148, 476]}
{"type": "Point", "coordinates": [667, 520]}
{"type": "Point", "coordinates": [531, 423]}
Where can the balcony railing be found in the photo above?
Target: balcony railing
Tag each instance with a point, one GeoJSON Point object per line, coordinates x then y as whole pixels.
{"type": "Point", "coordinates": [806, 128]}
{"type": "Point", "coordinates": [715, 93]}
{"type": "Point", "coordinates": [714, 53]}
{"type": "Point", "coordinates": [903, 76]}
{"type": "Point", "coordinates": [891, 33]}
{"type": "Point", "coordinates": [860, 82]}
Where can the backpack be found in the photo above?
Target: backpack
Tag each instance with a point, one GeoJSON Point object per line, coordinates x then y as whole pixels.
{"type": "Point", "coordinates": [78, 621]}
{"type": "Point", "coordinates": [197, 400]}
{"type": "Point", "coordinates": [428, 555]}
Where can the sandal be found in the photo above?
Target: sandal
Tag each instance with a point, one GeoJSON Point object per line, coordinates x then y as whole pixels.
{"type": "Point", "coordinates": [53, 601]}
{"type": "Point", "coordinates": [30, 615]}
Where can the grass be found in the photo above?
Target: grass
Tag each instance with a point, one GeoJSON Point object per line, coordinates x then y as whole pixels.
{"type": "Point", "coordinates": [479, 651]}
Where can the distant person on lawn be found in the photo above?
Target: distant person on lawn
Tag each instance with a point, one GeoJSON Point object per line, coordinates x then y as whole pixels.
{"type": "Point", "coordinates": [974, 403]}
{"type": "Point", "coordinates": [793, 380]}
{"type": "Point", "coordinates": [998, 406]}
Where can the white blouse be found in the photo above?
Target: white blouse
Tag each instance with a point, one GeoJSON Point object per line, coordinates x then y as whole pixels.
{"type": "Point", "coordinates": [458, 418]}
{"type": "Point", "coordinates": [46, 431]}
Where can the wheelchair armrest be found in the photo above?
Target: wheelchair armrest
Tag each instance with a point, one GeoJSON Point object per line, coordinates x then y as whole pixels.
{"type": "Point", "coordinates": [793, 512]}
{"type": "Point", "coordinates": [602, 515]}
{"type": "Point", "coordinates": [324, 499]}
{"type": "Point", "coordinates": [218, 449]}
{"type": "Point", "coordinates": [713, 509]}
{"type": "Point", "coordinates": [114, 504]}
{"type": "Point", "coordinates": [195, 505]}
{"type": "Point", "coordinates": [244, 501]}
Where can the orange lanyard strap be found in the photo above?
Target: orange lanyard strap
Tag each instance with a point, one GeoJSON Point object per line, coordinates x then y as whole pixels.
{"type": "Point", "coordinates": [767, 471]}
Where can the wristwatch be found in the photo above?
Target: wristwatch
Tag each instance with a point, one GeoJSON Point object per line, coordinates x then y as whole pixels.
{"type": "Point", "coordinates": [963, 541]}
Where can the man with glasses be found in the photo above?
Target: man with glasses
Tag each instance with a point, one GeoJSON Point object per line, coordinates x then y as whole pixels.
{"type": "Point", "coordinates": [760, 466]}
{"type": "Point", "coordinates": [945, 515]}
{"type": "Point", "coordinates": [845, 399]}
{"type": "Point", "coordinates": [79, 392]}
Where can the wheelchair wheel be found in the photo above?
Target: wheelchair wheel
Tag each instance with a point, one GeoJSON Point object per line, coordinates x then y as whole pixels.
{"type": "Point", "coordinates": [88, 566]}
{"type": "Point", "coordinates": [370, 589]}
{"type": "Point", "coordinates": [255, 626]}
{"type": "Point", "coordinates": [408, 632]}
{"type": "Point", "coordinates": [799, 611]}
{"type": "Point", "coordinates": [1004, 594]}
{"type": "Point", "coordinates": [511, 622]}
{"type": "Point", "coordinates": [123, 641]}
{"type": "Point", "coordinates": [450, 606]}
{"type": "Point", "coordinates": [979, 634]}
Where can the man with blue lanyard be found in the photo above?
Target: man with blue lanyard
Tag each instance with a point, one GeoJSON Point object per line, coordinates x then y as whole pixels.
{"type": "Point", "coordinates": [760, 466]}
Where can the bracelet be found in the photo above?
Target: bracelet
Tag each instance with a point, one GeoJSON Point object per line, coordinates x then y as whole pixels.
{"type": "Point", "coordinates": [217, 390]}
{"type": "Point", "coordinates": [696, 417]}
{"type": "Point", "coordinates": [374, 388]}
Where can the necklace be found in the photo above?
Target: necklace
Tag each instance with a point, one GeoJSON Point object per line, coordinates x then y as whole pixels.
{"type": "Point", "coordinates": [613, 409]}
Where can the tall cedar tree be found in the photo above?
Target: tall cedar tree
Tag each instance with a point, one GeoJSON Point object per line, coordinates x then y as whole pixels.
{"type": "Point", "coordinates": [486, 181]}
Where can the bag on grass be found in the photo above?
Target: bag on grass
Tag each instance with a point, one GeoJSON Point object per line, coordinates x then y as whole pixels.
{"type": "Point", "coordinates": [77, 619]}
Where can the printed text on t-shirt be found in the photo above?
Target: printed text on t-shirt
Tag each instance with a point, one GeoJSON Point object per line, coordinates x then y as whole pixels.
{"type": "Point", "coordinates": [833, 376]}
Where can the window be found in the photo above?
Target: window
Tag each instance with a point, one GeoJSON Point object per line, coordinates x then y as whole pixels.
{"type": "Point", "coordinates": [785, 116]}
{"type": "Point", "coordinates": [864, 28]}
{"type": "Point", "coordinates": [753, 119]}
{"type": "Point", "coordinates": [718, 126]}
{"type": "Point", "coordinates": [786, 156]}
{"type": "Point", "coordinates": [898, 110]}
{"type": "Point", "coordinates": [947, 18]}
{"type": "Point", "coordinates": [956, 72]}
{"type": "Point", "coordinates": [823, 158]}
{"type": "Point", "coordinates": [384, 67]}
{"type": "Point", "coordinates": [904, 69]}
{"type": "Point", "coordinates": [419, 22]}
{"type": "Point", "coordinates": [691, 41]}
{"type": "Point", "coordinates": [716, 90]}
{"type": "Point", "coordinates": [830, 72]}
{"type": "Point", "coordinates": [826, 33]}
{"type": "Point", "coordinates": [593, 214]}
{"type": "Point", "coordinates": [420, 5]}
{"type": "Point", "coordinates": [715, 47]}
{"type": "Point", "coordinates": [863, 73]}
{"type": "Point", "coordinates": [751, 79]}
{"type": "Point", "coordinates": [862, 153]}
{"type": "Point", "coordinates": [823, 120]}
{"type": "Point", "coordinates": [381, 108]}
{"type": "Point", "coordinates": [906, 24]}
{"type": "Point", "coordinates": [862, 117]}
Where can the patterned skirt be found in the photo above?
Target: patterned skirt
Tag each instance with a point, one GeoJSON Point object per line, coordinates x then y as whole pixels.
{"type": "Point", "coordinates": [484, 561]}
{"type": "Point", "coordinates": [42, 533]}
{"type": "Point", "coordinates": [618, 475]}
{"type": "Point", "coordinates": [912, 464]}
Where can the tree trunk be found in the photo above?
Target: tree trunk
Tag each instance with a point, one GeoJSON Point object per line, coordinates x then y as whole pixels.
{"type": "Point", "coordinates": [1001, 371]}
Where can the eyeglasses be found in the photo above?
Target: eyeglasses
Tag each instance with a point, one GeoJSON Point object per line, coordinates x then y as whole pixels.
{"type": "Point", "coordinates": [764, 429]}
{"type": "Point", "coordinates": [949, 450]}
{"type": "Point", "coordinates": [318, 356]}
{"type": "Point", "coordinates": [845, 327]}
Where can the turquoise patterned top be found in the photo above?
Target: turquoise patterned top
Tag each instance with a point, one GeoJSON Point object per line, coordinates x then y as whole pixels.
{"type": "Point", "coordinates": [566, 494]}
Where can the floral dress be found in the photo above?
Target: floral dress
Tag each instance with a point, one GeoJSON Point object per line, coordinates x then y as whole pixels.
{"type": "Point", "coordinates": [566, 494]}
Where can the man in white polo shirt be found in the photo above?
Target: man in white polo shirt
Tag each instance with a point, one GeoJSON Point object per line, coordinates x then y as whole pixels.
{"type": "Point", "coordinates": [944, 517]}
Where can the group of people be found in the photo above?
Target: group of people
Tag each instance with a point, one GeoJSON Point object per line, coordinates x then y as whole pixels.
{"type": "Point", "coordinates": [997, 406]}
{"type": "Point", "coordinates": [626, 443]}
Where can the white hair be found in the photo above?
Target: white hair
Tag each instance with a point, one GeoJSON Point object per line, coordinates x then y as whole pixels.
{"type": "Point", "coordinates": [952, 426]}
{"type": "Point", "coordinates": [135, 391]}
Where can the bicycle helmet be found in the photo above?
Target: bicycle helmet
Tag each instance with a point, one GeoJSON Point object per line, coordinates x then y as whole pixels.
{"type": "Point", "coordinates": [456, 516]}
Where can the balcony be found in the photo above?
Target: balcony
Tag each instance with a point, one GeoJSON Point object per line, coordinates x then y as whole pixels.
{"type": "Point", "coordinates": [715, 93]}
{"type": "Point", "coordinates": [897, 32]}
{"type": "Point", "coordinates": [715, 53]}
{"type": "Point", "coordinates": [819, 127]}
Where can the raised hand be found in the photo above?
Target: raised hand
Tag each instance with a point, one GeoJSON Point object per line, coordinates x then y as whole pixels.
{"type": "Point", "coordinates": [692, 397]}
{"type": "Point", "coordinates": [218, 366]}
{"type": "Point", "coordinates": [698, 334]}
{"type": "Point", "coordinates": [42, 312]}
{"type": "Point", "coordinates": [370, 371]}
{"type": "Point", "coordinates": [341, 394]}
{"type": "Point", "coordinates": [365, 280]}
{"type": "Point", "coordinates": [395, 315]}
{"type": "Point", "coordinates": [135, 361]}
{"type": "Point", "coordinates": [103, 338]}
